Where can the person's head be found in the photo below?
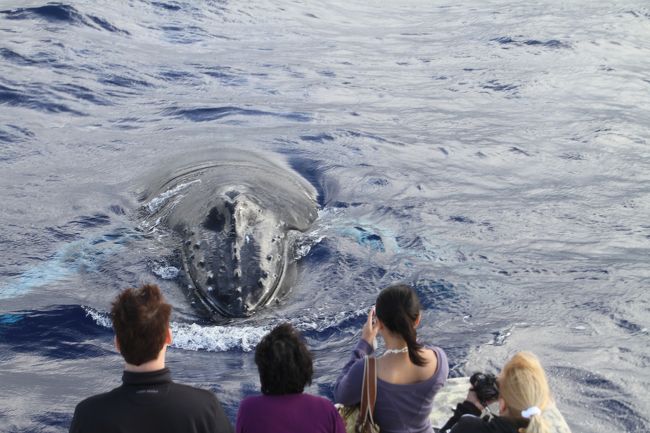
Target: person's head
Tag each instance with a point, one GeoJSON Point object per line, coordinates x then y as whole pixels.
{"type": "Point", "coordinates": [141, 323]}
{"type": "Point", "coordinates": [398, 310]}
{"type": "Point", "coordinates": [524, 392]}
{"type": "Point", "coordinates": [283, 361]}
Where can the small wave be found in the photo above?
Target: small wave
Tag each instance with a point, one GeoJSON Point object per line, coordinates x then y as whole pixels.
{"type": "Point", "coordinates": [61, 13]}
{"type": "Point", "coordinates": [82, 93]}
{"type": "Point", "coordinates": [157, 202]}
{"type": "Point", "coordinates": [89, 221]}
{"type": "Point", "coordinates": [47, 60]}
{"type": "Point", "coordinates": [61, 333]}
{"type": "Point", "coordinates": [322, 327]}
{"type": "Point", "coordinates": [124, 81]}
{"type": "Point", "coordinates": [106, 25]}
{"type": "Point", "coordinates": [640, 13]}
{"type": "Point", "coordinates": [227, 76]}
{"type": "Point", "coordinates": [167, 6]}
{"type": "Point", "coordinates": [319, 138]}
{"type": "Point", "coordinates": [604, 397]}
{"type": "Point", "coordinates": [32, 98]}
{"type": "Point", "coordinates": [499, 87]}
{"type": "Point", "coordinates": [174, 76]}
{"type": "Point", "coordinates": [15, 58]}
{"type": "Point", "coordinates": [207, 114]}
{"type": "Point", "coordinates": [551, 43]}
{"type": "Point", "coordinates": [13, 134]}
{"type": "Point", "coordinates": [184, 34]}
{"type": "Point", "coordinates": [49, 12]}
{"type": "Point", "coordinates": [461, 219]}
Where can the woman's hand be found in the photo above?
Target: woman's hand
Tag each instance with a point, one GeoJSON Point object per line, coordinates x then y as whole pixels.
{"type": "Point", "coordinates": [473, 398]}
{"type": "Point", "coordinates": [370, 328]}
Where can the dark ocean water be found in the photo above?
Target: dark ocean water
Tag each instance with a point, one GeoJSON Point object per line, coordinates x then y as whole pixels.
{"type": "Point", "coordinates": [495, 154]}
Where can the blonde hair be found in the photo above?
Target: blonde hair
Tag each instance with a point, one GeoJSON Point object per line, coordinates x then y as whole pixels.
{"type": "Point", "coordinates": [522, 384]}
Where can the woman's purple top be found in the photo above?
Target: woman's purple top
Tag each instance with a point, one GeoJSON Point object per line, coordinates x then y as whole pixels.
{"type": "Point", "coordinates": [288, 413]}
{"type": "Point", "coordinates": [399, 408]}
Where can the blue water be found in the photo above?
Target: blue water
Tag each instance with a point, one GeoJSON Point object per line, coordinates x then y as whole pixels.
{"type": "Point", "coordinates": [495, 154]}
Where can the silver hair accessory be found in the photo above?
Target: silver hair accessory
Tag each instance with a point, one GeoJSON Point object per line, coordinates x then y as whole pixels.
{"type": "Point", "coordinates": [531, 412]}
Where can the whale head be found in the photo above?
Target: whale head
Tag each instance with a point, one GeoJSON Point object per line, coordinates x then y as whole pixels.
{"type": "Point", "coordinates": [236, 257]}
{"type": "Point", "coordinates": [235, 218]}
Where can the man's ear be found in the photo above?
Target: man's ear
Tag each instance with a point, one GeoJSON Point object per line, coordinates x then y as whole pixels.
{"type": "Point", "coordinates": [168, 338]}
{"type": "Point", "coordinates": [117, 344]}
{"type": "Point", "coordinates": [417, 321]}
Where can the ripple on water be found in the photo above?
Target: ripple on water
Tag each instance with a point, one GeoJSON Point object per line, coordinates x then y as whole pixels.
{"type": "Point", "coordinates": [13, 134]}
{"type": "Point", "coordinates": [82, 93]}
{"type": "Point", "coordinates": [33, 97]}
{"type": "Point", "coordinates": [15, 58]}
{"type": "Point", "coordinates": [58, 333]}
{"type": "Point", "coordinates": [169, 6]}
{"type": "Point", "coordinates": [520, 41]}
{"type": "Point", "coordinates": [605, 398]}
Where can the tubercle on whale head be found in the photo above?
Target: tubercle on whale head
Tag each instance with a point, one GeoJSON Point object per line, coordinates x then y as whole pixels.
{"type": "Point", "coordinates": [237, 257]}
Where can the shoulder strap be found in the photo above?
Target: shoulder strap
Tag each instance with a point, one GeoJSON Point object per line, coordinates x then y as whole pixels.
{"type": "Point", "coordinates": [372, 381]}
{"type": "Point", "coordinates": [368, 390]}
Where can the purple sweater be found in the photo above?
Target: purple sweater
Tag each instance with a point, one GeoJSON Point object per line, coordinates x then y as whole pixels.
{"type": "Point", "coordinates": [288, 413]}
{"type": "Point", "coordinates": [399, 408]}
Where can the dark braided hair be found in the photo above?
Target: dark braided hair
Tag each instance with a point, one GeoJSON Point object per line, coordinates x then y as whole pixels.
{"type": "Point", "coordinates": [398, 307]}
{"type": "Point", "coordinates": [283, 361]}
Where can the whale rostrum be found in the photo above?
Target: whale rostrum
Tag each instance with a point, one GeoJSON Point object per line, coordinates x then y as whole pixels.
{"type": "Point", "coordinates": [235, 219]}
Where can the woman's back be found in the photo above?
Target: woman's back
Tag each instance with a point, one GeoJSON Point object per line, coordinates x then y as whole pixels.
{"type": "Point", "coordinates": [397, 369]}
{"type": "Point", "coordinates": [402, 405]}
{"type": "Point", "coordinates": [288, 413]}
{"type": "Point", "coordinates": [409, 374]}
{"type": "Point", "coordinates": [405, 397]}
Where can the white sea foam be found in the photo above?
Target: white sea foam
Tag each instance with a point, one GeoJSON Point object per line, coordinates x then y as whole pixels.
{"type": "Point", "coordinates": [216, 338]}
{"type": "Point", "coordinates": [166, 272]}
{"type": "Point", "coordinates": [192, 336]}
{"type": "Point", "coordinates": [158, 201]}
{"type": "Point", "coordinates": [101, 319]}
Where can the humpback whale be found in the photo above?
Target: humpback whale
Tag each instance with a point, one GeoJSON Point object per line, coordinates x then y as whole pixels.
{"type": "Point", "coordinates": [235, 217]}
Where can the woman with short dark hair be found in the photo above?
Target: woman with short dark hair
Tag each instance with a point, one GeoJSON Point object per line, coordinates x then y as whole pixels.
{"type": "Point", "coordinates": [409, 374]}
{"type": "Point", "coordinates": [285, 367]}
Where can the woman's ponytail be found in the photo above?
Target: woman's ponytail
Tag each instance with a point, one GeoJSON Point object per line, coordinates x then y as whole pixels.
{"type": "Point", "coordinates": [525, 391]}
{"type": "Point", "coordinates": [537, 424]}
{"type": "Point", "coordinates": [398, 307]}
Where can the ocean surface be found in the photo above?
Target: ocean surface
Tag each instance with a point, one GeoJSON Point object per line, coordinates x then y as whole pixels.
{"type": "Point", "coordinates": [495, 154]}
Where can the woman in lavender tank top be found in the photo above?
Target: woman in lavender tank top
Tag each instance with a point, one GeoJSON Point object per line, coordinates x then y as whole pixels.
{"type": "Point", "coordinates": [409, 375]}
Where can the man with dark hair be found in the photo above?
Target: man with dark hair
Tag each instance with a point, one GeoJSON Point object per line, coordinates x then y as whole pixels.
{"type": "Point", "coordinates": [148, 400]}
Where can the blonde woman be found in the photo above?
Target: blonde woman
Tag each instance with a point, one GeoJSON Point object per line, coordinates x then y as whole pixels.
{"type": "Point", "coordinates": [523, 396]}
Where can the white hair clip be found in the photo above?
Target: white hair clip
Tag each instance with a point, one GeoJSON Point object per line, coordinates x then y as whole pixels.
{"type": "Point", "coordinates": [530, 412]}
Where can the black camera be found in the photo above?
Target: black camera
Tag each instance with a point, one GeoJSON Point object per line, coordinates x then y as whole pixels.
{"type": "Point", "coordinates": [485, 387]}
